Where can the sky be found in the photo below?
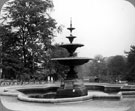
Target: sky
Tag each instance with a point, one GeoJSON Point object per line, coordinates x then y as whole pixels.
{"type": "Point", "coordinates": [105, 27]}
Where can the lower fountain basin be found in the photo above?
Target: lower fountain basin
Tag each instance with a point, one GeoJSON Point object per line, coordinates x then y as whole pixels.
{"type": "Point", "coordinates": [50, 98]}
{"type": "Point", "coordinates": [47, 93]}
{"type": "Point", "coordinates": [70, 89]}
{"type": "Point", "coordinates": [39, 99]}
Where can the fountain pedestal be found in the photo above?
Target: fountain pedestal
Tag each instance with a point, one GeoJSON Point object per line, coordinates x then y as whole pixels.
{"type": "Point", "coordinates": [71, 88]}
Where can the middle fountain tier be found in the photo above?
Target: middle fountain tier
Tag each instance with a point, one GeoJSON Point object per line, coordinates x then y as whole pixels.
{"type": "Point", "coordinates": [72, 86]}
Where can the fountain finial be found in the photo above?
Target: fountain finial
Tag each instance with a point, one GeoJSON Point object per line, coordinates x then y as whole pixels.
{"type": "Point", "coordinates": [71, 37]}
{"type": "Point", "coordinates": [71, 22]}
{"type": "Point", "coordinates": [71, 28]}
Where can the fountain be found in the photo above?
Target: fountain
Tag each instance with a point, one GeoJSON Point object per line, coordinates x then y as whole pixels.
{"type": "Point", "coordinates": [22, 97]}
{"type": "Point", "coordinates": [72, 86]}
{"type": "Point", "coordinates": [71, 89]}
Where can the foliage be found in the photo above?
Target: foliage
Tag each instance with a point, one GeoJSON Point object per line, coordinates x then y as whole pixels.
{"type": "Point", "coordinates": [131, 64]}
{"type": "Point", "coordinates": [107, 69]}
{"type": "Point", "coordinates": [31, 30]}
{"type": "Point", "coordinates": [117, 67]}
{"type": "Point", "coordinates": [98, 67]}
{"type": "Point", "coordinates": [10, 64]}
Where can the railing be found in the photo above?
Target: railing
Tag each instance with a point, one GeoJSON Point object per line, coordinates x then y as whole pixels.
{"type": "Point", "coordinates": [16, 82]}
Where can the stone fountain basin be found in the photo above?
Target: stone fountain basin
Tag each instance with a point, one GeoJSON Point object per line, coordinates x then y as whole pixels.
{"type": "Point", "coordinates": [39, 95]}
{"type": "Point", "coordinates": [45, 94]}
{"type": "Point", "coordinates": [72, 61]}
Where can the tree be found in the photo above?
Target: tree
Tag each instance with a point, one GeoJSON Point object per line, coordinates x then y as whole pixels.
{"type": "Point", "coordinates": [10, 64]}
{"type": "Point", "coordinates": [117, 67]}
{"type": "Point", "coordinates": [98, 67]}
{"type": "Point", "coordinates": [131, 64]}
{"type": "Point", "coordinates": [32, 28]}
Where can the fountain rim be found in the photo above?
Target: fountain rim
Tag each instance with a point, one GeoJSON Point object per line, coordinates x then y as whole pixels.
{"type": "Point", "coordinates": [24, 97]}
{"type": "Point", "coordinates": [13, 91]}
{"type": "Point", "coordinates": [72, 61]}
{"type": "Point", "coordinates": [71, 58]}
{"type": "Point", "coordinates": [75, 44]}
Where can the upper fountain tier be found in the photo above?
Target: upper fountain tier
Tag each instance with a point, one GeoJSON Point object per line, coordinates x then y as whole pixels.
{"type": "Point", "coordinates": [71, 47]}
{"type": "Point", "coordinates": [71, 37]}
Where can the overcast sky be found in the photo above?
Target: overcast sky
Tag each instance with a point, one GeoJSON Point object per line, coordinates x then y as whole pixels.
{"type": "Point", "coordinates": [105, 27]}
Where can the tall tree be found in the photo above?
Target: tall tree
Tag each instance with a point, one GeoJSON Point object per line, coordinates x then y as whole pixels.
{"type": "Point", "coordinates": [33, 30]}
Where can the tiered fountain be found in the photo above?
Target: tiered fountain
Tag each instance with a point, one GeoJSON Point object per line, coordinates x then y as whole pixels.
{"type": "Point", "coordinates": [72, 87]}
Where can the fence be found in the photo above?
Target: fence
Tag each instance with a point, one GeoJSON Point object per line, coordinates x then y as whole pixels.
{"type": "Point", "coordinates": [16, 82]}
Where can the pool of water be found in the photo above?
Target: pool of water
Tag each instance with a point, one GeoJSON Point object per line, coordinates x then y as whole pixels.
{"type": "Point", "coordinates": [48, 95]}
